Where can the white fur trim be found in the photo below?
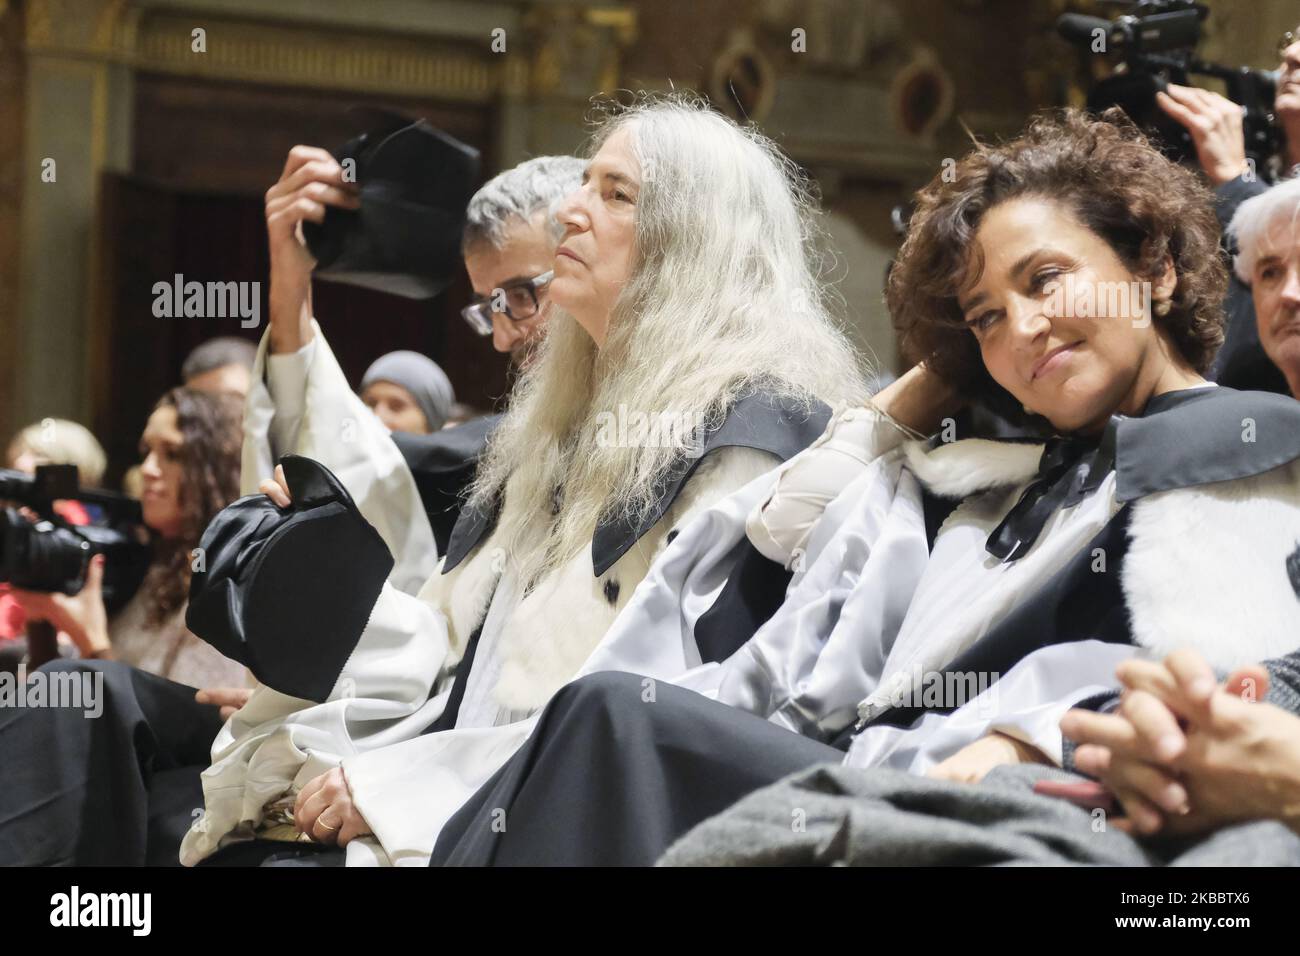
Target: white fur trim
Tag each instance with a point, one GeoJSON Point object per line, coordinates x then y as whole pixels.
{"type": "Point", "coordinates": [463, 594]}
{"type": "Point", "coordinates": [555, 628]}
{"type": "Point", "coordinates": [1206, 569]}
{"type": "Point", "coordinates": [962, 468]}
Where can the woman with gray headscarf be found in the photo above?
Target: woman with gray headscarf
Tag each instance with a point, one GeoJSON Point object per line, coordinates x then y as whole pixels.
{"type": "Point", "coordinates": [409, 392]}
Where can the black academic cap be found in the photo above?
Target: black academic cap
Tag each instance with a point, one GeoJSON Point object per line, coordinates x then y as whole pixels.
{"type": "Point", "coordinates": [288, 592]}
{"type": "Point", "coordinates": [415, 182]}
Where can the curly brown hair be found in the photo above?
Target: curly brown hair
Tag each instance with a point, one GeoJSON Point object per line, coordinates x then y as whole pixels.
{"type": "Point", "coordinates": [1114, 182]}
{"type": "Point", "coordinates": [210, 424]}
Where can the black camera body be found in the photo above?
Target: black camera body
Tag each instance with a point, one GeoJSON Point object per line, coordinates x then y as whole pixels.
{"type": "Point", "coordinates": [52, 555]}
{"type": "Point", "coordinates": [1157, 40]}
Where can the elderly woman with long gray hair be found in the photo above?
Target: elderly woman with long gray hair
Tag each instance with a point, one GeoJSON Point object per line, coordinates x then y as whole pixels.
{"type": "Point", "coordinates": [691, 350]}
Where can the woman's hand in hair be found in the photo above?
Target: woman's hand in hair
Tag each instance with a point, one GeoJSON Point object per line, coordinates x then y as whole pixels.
{"type": "Point", "coordinates": [1214, 123]}
{"type": "Point", "coordinates": [229, 699]}
{"type": "Point", "coordinates": [919, 399]}
{"type": "Point", "coordinates": [974, 761]}
{"type": "Point", "coordinates": [277, 489]}
{"type": "Point", "coordinates": [82, 616]}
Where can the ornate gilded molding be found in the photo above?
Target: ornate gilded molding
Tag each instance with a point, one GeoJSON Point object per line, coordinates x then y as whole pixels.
{"type": "Point", "coordinates": [257, 53]}
{"type": "Point", "coordinates": [243, 50]}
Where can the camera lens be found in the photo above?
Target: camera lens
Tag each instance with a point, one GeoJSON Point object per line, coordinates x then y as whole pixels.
{"type": "Point", "coordinates": [41, 556]}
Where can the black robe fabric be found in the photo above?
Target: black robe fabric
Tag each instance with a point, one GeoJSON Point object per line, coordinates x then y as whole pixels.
{"type": "Point", "coordinates": [121, 788]}
{"type": "Point", "coordinates": [617, 768]}
{"type": "Point", "coordinates": [758, 419]}
{"type": "Point", "coordinates": [443, 465]}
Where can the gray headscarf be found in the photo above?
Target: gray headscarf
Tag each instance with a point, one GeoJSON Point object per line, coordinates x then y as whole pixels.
{"type": "Point", "coordinates": [419, 375]}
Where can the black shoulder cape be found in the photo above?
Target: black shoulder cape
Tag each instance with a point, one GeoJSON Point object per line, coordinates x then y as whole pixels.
{"type": "Point", "coordinates": [757, 420]}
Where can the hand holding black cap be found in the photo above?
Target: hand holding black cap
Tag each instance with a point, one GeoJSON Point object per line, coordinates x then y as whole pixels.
{"type": "Point", "coordinates": [288, 592]}
{"type": "Point", "coordinates": [414, 184]}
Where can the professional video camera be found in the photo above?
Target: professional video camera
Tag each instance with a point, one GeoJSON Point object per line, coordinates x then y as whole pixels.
{"type": "Point", "coordinates": [1157, 40]}
{"type": "Point", "coordinates": [51, 554]}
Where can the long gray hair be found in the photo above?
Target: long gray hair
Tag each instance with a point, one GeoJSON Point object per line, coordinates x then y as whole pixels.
{"type": "Point", "coordinates": [725, 295]}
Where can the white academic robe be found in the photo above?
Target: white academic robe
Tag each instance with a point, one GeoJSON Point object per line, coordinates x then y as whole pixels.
{"type": "Point", "coordinates": [399, 679]}
{"type": "Point", "coordinates": [872, 607]}
{"type": "Point", "coordinates": [301, 403]}
{"type": "Point", "coordinates": [307, 408]}
{"type": "Point", "coordinates": [872, 614]}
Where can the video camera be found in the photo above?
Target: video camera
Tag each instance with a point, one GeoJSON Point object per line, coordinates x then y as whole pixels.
{"type": "Point", "coordinates": [51, 554]}
{"type": "Point", "coordinates": [1157, 40]}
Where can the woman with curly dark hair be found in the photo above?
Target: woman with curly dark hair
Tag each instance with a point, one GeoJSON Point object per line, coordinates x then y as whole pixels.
{"type": "Point", "coordinates": [1119, 230]}
{"type": "Point", "coordinates": [190, 469]}
{"type": "Point", "coordinates": [950, 600]}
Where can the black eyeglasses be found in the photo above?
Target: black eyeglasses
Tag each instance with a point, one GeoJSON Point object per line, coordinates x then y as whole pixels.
{"type": "Point", "coordinates": [516, 301]}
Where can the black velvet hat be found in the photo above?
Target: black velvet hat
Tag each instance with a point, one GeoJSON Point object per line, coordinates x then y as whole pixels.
{"type": "Point", "coordinates": [414, 183]}
{"type": "Point", "coordinates": [288, 592]}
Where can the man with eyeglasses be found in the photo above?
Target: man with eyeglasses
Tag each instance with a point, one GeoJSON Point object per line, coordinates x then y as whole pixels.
{"type": "Point", "coordinates": [1215, 125]}
{"type": "Point", "coordinates": [300, 401]}
{"type": "Point", "coordinates": [521, 303]}
{"type": "Point", "coordinates": [509, 247]}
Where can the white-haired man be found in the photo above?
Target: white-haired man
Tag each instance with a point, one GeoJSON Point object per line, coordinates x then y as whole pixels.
{"type": "Point", "coordinates": [1267, 233]}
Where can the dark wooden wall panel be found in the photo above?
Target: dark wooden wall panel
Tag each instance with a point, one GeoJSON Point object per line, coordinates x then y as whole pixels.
{"type": "Point", "coordinates": [205, 153]}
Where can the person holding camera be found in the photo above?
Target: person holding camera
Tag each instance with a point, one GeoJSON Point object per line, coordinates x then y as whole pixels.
{"type": "Point", "coordinates": [134, 767]}
{"type": "Point", "coordinates": [49, 441]}
{"type": "Point", "coordinates": [1215, 125]}
{"type": "Point", "coordinates": [189, 470]}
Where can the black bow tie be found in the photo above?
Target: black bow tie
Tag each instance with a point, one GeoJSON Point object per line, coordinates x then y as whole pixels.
{"type": "Point", "coordinates": [1071, 468]}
